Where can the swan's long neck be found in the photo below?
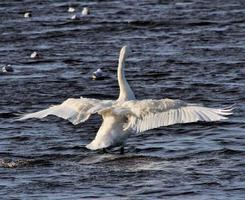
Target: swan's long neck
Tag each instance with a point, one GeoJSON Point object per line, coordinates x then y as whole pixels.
{"type": "Point", "coordinates": [126, 92]}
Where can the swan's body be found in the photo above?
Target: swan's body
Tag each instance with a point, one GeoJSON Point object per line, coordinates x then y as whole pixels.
{"type": "Point", "coordinates": [126, 115]}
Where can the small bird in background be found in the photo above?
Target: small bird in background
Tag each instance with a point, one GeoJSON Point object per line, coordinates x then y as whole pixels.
{"type": "Point", "coordinates": [34, 55]}
{"type": "Point", "coordinates": [85, 11]}
{"type": "Point", "coordinates": [7, 68]}
{"type": "Point", "coordinates": [27, 14]}
{"type": "Point", "coordinates": [98, 74]}
{"type": "Point", "coordinates": [71, 9]}
{"type": "Point", "coordinates": [75, 17]}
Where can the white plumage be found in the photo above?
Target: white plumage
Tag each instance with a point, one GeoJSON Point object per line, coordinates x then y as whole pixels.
{"type": "Point", "coordinates": [73, 110]}
{"type": "Point", "coordinates": [148, 114]}
{"type": "Point", "coordinates": [126, 115]}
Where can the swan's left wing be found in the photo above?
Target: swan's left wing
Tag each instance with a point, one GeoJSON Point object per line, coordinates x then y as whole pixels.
{"type": "Point", "coordinates": [74, 110]}
{"type": "Point", "coordinates": [148, 114]}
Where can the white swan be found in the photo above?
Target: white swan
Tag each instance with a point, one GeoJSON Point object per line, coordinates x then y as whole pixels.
{"type": "Point", "coordinates": [126, 115]}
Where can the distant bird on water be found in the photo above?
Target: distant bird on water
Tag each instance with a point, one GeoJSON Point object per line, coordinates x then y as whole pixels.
{"type": "Point", "coordinates": [85, 11]}
{"type": "Point", "coordinates": [27, 14]}
{"type": "Point", "coordinates": [71, 9]}
{"type": "Point", "coordinates": [34, 55]}
{"type": "Point", "coordinates": [7, 68]}
{"type": "Point", "coordinates": [98, 74]}
{"type": "Point", "coordinates": [126, 115]}
{"type": "Point", "coordinates": [75, 17]}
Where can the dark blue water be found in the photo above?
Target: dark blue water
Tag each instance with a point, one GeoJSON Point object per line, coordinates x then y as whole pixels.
{"type": "Point", "coordinates": [191, 50]}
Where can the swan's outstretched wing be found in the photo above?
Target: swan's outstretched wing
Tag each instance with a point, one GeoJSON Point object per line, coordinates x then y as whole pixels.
{"type": "Point", "coordinates": [74, 110]}
{"type": "Point", "coordinates": [148, 114]}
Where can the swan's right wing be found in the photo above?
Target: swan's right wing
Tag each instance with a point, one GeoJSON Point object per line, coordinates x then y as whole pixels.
{"type": "Point", "coordinates": [148, 114]}
{"type": "Point", "coordinates": [74, 110]}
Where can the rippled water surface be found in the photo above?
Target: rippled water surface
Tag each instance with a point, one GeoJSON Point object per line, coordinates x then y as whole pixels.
{"type": "Point", "coordinates": [184, 49]}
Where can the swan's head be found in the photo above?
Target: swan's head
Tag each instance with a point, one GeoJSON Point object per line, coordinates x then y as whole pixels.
{"type": "Point", "coordinates": [125, 50]}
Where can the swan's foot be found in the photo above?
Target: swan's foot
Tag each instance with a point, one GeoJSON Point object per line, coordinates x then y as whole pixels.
{"type": "Point", "coordinates": [122, 150]}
